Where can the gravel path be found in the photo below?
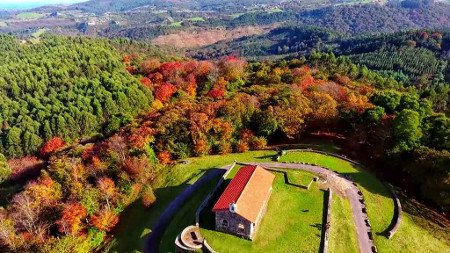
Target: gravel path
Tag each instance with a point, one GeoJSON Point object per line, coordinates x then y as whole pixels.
{"type": "Point", "coordinates": [343, 185]}
{"type": "Point", "coordinates": [153, 240]}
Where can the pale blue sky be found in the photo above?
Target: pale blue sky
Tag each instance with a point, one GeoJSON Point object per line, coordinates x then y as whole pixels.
{"type": "Point", "coordinates": [23, 4]}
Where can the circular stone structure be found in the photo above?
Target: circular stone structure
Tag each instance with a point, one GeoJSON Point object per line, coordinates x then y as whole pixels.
{"type": "Point", "coordinates": [191, 237]}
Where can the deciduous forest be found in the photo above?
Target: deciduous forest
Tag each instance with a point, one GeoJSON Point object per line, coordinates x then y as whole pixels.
{"type": "Point", "coordinates": [146, 112]}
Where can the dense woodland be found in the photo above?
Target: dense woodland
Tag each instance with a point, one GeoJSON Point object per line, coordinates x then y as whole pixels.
{"type": "Point", "coordinates": [66, 87]}
{"type": "Point", "coordinates": [414, 58]}
{"type": "Point", "coordinates": [154, 111]}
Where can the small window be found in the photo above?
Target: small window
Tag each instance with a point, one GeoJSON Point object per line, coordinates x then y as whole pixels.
{"type": "Point", "coordinates": [241, 227]}
{"type": "Point", "coordinates": [224, 223]}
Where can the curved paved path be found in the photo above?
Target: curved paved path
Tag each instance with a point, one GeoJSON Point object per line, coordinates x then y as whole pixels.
{"type": "Point", "coordinates": [343, 185]}
{"type": "Point", "coordinates": [153, 240]}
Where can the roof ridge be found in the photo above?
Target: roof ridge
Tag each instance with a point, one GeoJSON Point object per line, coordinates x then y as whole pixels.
{"type": "Point", "coordinates": [246, 183]}
{"type": "Point", "coordinates": [244, 174]}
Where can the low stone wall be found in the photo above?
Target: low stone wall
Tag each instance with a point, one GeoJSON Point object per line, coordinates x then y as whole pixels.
{"type": "Point", "coordinates": [208, 248]}
{"type": "Point", "coordinates": [319, 152]}
{"type": "Point", "coordinates": [326, 223]}
{"type": "Point", "coordinates": [209, 196]}
{"type": "Point", "coordinates": [287, 181]}
{"type": "Point", "coordinates": [397, 213]}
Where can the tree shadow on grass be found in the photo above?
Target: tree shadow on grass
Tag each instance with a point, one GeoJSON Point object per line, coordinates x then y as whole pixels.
{"type": "Point", "coordinates": [138, 222]}
{"type": "Point", "coordinates": [207, 217]}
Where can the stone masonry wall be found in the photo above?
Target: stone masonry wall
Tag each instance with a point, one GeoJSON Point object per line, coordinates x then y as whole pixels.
{"type": "Point", "coordinates": [234, 221]}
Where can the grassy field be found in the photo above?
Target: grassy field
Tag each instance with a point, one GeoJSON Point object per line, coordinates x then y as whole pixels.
{"type": "Point", "coordinates": [29, 15]}
{"type": "Point", "coordinates": [136, 221]}
{"type": "Point", "coordinates": [196, 19]}
{"type": "Point", "coordinates": [299, 177]}
{"type": "Point", "coordinates": [176, 24]}
{"type": "Point", "coordinates": [342, 231]}
{"type": "Point", "coordinates": [297, 225]}
{"type": "Point", "coordinates": [410, 237]}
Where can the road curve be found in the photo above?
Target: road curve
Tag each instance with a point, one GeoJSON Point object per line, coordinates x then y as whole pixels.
{"type": "Point", "coordinates": [152, 242]}
{"type": "Point", "coordinates": [358, 208]}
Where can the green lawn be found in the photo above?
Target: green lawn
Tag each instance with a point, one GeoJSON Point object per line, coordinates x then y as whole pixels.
{"type": "Point", "coordinates": [176, 24]}
{"type": "Point", "coordinates": [342, 230]}
{"type": "Point", "coordinates": [297, 225]}
{"type": "Point", "coordinates": [29, 15]}
{"type": "Point", "coordinates": [275, 10]}
{"type": "Point", "coordinates": [299, 177]}
{"type": "Point", "coordinates": [136, 221]}
{"type": "Point", "coordinates": [196, 19]}
{"type": "Point", "coordinates": [410, 237]}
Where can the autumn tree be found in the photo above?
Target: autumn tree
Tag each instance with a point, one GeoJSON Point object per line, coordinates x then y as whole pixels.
{"type": "Point", "coordinates": [51, 146]}
{"type": "Point", "coordinates": [232, 68]}
{"type": "Point", "coordinates": [107, 189]}
{"type": "Point", "coordinates": [164, 92]}
{"type": "Point", "coordinates": [72, 218]}
{"type": "Point", "coordinates": [165, 157]}
{"type": "Point", "coordinates": [149, 66]}
{"type": "Point", "coordinates": [8, 234]}
{"type": "Point", "coordinates": [104, 220]}
{"type": "Point", "coordinates": [323, 106]}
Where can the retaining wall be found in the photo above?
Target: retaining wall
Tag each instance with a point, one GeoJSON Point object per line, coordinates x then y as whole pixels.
{"type": "Point", "coordinates": [397, 213]}
{"type": "Point", "coordinates": [327, 223]}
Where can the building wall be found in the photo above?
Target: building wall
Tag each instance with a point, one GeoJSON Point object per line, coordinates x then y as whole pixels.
{"type": "Point", "coordinates": [236, 224]}
{"type": "Point", "coordinates": [234, 220]}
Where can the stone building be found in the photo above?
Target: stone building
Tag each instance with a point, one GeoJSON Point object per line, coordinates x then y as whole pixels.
{"type": "Point", "coordinates": [243, 203]}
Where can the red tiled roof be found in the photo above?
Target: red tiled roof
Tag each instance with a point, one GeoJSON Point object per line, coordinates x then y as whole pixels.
{"type": "Point", "coordinates": [235, 188]}
{"type": "Point", "coordinates": [250, 189]}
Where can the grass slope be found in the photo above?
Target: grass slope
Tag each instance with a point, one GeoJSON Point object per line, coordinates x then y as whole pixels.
{"type": "Point", "coordinates": [136, 222]}
{"type": "Point", "coordinates": [409, 238]}
{"type": "Point", "coordinates": [342, 230]}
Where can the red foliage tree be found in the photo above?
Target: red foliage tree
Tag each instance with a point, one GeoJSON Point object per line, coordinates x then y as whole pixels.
{"type": "Point", "coordinates": [137, 168]}
{"type": "Point", "coordinates": [164, 92]}
{"type": "Point", "coordinates": [51, 146]}
{"type": "Point", "coordinates": [217, 93]}
{"type": "Point", "coordinates": [146, 82]}
{"type": "Point", "coordinates": [71, 221]}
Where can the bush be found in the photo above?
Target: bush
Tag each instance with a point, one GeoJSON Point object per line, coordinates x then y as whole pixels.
{"type": "Point", "coordinates": [258, 143]}
{"type": "Point", "coordinates": [242, 147]}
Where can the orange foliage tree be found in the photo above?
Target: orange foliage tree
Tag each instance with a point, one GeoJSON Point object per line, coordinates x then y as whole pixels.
{"type": "Point", "coordinates": [104, 220]}
{"type": "Point", "coordinates": [71, 221]}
